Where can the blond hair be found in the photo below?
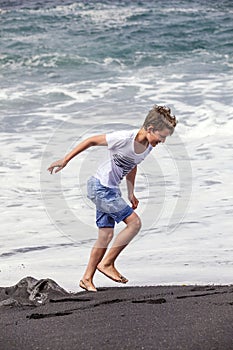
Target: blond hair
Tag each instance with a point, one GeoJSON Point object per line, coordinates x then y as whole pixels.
{"type": "Point", "coordinates": [160, 117]}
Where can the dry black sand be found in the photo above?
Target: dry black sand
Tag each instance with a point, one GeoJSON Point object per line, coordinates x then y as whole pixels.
{"type": "Point", "coordinates": [158, 317]}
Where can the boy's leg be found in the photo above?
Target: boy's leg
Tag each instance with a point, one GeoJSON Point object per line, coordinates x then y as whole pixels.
{"type": "Point", "coordinates": [106, 265]}
{"type": "Point", "coordinates": [104, 237]}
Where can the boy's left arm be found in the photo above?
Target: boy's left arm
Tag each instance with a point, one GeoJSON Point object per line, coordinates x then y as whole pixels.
{"type": "Point", "coordinates": [130, 181]}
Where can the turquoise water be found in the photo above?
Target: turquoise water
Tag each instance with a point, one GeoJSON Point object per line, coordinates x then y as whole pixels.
{"type": "Point", "coordinates": [69, 69]}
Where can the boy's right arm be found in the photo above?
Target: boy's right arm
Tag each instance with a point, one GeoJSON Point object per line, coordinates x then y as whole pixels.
{"type": "Point", "coordinates": [98, 140]}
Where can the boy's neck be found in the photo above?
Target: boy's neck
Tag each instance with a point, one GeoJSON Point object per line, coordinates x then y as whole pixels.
{"type": "Point", "coordinates": [140, 142]}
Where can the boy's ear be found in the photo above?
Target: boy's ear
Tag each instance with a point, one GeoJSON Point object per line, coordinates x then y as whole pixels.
{"type": "Point", "coordinates": [150, 129]}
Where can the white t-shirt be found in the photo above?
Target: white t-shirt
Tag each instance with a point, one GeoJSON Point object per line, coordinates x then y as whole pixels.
{"type": "Point", "coordinates": [122, 158]}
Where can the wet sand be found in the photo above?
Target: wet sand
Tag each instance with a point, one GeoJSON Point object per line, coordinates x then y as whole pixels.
{"type": "Point", "coordinates": [148, 317]}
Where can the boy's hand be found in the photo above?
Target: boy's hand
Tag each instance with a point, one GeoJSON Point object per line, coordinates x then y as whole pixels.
{"type": "Point", "coordinates": [59, 164]}
{"type": "Point", "coordinates": [134, 201]}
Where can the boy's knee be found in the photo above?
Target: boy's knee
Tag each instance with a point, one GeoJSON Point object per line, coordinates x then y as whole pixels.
{"type": "Point", "coordinates": [110, 236]}
{"type": "Point", "coordinates": [134, 221]}
{"type": "Point", "coordinates": [105, 235]}
{"type": "Point", "coordinates": [138, 223]}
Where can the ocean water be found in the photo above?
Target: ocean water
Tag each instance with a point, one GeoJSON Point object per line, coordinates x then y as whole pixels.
{"type": "Point", "coordinates": [72, 69]}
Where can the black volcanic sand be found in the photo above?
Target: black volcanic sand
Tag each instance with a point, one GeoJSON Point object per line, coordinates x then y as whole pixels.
{"type": "Point", "coordinates": [157, 317]}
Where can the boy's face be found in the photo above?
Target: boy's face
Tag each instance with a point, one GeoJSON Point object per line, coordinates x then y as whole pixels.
{"type": "Point", "coordinates": [156, 136]}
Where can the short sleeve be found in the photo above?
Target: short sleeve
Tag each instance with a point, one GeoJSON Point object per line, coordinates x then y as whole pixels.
{"type": "Point", "coordinates": [117, 139]}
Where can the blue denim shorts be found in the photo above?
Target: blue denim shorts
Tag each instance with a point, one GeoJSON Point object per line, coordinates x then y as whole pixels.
{"type": "Point", "coordinates": [110, 206]}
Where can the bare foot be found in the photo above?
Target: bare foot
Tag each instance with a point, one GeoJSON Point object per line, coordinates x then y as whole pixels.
{"type": "Point", "coordinates": [111, 272]}
{"type": "Point", "coordinates": [87, 285]}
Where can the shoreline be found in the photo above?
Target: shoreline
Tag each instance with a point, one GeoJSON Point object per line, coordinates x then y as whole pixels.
{"type": "Point", "coordinates": [188, 317]}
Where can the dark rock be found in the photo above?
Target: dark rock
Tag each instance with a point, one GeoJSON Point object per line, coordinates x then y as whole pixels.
{"type": "Point", "coordinates": [30, 291]}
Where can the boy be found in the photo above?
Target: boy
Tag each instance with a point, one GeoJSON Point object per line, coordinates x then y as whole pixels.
{"type": "Point", "coordinates": [126, 150]}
